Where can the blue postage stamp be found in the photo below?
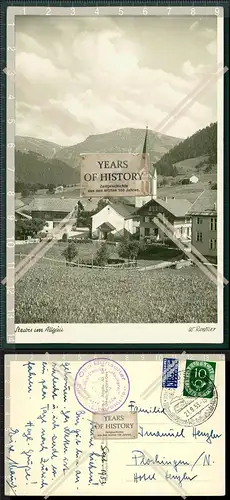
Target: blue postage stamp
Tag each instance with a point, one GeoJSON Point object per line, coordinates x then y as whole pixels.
{"type": "Point", "coordinates": [170, 373]}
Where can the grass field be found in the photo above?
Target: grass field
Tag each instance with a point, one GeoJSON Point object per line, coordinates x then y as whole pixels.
{"type": "Point", "coordinates": [52, 293]}
{"type": "Point", "coordinates": [87, 251]}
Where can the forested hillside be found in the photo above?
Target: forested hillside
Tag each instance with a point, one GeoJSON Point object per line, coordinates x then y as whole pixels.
{"type": "Point", "coordinates": [203, 142]}
{"type": "Point", "coordinates": [33, 168]}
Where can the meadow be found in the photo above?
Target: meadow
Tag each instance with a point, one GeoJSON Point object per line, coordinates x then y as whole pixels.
{"type": "Point", "coordinates": [52, 293]}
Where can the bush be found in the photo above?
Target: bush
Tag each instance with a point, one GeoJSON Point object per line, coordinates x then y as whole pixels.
{"type": "Point", "coordinates": [129, 249]}
{"type": "Point", "coordinates": [70, 252]}
{"type": "Point", "coordinates": [102, 255]}
{"type": "Point", "coordinates": [42, 235]}
{"type": "Point", "coordinates": [64, 237]}
{"type": "Point", "coordinates": [158, 252]}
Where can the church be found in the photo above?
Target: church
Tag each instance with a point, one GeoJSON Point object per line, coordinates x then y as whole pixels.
{"type": "Point", "coordinates": [175, 211]}
{"type": "Point", "coordinates": [120, 219]}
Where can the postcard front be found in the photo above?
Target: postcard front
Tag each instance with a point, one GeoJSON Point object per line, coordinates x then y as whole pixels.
{"type": "Point", "coordinates": [86, 261]}
{"type": "Point", "coordinates": [117, 425]}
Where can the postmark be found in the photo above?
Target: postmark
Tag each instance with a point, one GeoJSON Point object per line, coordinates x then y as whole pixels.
{"type": "Point", "coordinates": [170, 373]}
{"type": "Point", "coordinates": [199, 378]}
{"type": "Point", "coordinates": [101, 385]}
{"type": "Point", "coordinates": [186, 410]}
{"type": "Point", "coordinates": [118, 425]}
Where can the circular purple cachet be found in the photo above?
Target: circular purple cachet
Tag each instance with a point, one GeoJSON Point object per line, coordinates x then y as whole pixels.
{"type": "Point", "coordinates": [187, 411]}
{"type": "Point", "coordinates": [101, 385]}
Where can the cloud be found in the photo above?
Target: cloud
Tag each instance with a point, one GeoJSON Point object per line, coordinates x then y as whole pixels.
{"type": "Point", "coordinates": [194, 26]}
{"type": "Point", "coordinates": [74, 79]}
{"type": "Point", "coordinates": [212, 48]}
{"type": "Point", "coordinates": [208, 33]}
{"type": "Point", "coordinates": [37, 69]}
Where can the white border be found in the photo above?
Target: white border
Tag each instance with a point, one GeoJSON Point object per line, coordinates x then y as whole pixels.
{"type": "Point", "coordinates": [108, 333]}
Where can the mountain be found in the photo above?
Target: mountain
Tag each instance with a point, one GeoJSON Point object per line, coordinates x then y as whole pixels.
{"type": "Point", "coordinates": [119, 141]}
{"type": "Point", "coordinates": [33, 168]}
{"type": "Point", "coordinates": [39, 161]}
{"type": "Point", "coordinates": [201, 144]}
{"type": "Point", "coordinates": [40, 146]}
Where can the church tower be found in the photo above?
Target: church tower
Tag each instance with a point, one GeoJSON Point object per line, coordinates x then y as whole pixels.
{"type": "Point", "coordinates": [154, 185]}
{"type": "Point", "coordinates": [142, 200]}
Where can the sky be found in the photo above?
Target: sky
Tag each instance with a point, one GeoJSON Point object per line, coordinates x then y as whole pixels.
{"type": "Point", "coordinates": [77, 77]}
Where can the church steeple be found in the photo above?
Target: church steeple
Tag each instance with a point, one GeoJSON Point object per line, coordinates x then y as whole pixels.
{"type": "Point", "coordinates": [145, 141]}
{"type": "Point", "coordinates": [141, 200]}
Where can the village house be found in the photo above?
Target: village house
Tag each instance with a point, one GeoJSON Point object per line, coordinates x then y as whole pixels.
{"type": "Point", "coordinates": [173, 210]}
{"type": "Point", "coordinates": [204, 224]}
{"type": "Point", "coordinates": [193, 179]}
{"type": "Point", "coordinates": [114, 219]}
{"type": "Point", "coordinates": [53, 211]}
{"type": "Point", "coordinates": [19, 211]}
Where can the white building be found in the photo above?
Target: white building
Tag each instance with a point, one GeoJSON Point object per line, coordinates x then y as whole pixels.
{"type": "Point", "coordinates": [194, 179]}
{"type": "Point", "coordinates": [112, 220]}
{"type": "Point", "coordinates": [59, 189]}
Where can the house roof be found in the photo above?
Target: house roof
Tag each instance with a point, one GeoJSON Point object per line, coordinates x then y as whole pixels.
{"type": "Point", "coordinates": [52, 205]}
{"type": "Point", "coordinates": [23, 215]}
{"type": "Point", "coordinates": [205, 204]}
{"type": "Point", "coordinates": [106, 226]}
{"type": "Point", "coordinates": [123, 209]}
{"type": "Point", "coordinates": [19, 203]}
{"type": "Point", "coordinates": [177, 207]}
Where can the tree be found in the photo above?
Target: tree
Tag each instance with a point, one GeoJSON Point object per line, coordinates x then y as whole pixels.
{"type": "Point", "coordinates": [64, 237]}
{"type": "Point", "coordinates": [80, 206]}
{"type": "Point", "coordinates": [70, 252]}
{"type": "Point", "coordinates": [101, 204]}
{"type": "Point", "coordinates": [129, 249]}
{"type": "Point", "coordinates": [103, 254]}
{"type": "Point", "coordinates": [25, 228]}
{"type": "Point", "coordinates": [25, 192]}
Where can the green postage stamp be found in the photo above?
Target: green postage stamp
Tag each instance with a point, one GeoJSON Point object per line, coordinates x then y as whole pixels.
{"type": "Point", "coordinates": [199, 379]}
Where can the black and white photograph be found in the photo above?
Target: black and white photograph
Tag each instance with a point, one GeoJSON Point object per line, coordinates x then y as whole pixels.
{"type": "Point", "coordinates": [118, 267]}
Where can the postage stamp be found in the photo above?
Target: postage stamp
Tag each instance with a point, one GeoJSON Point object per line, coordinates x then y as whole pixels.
{"type": "Point", "coordinates": [199, 379]}
{"type": "Point", "coordinates": [170, 372]}
{"type": "Point", "coordinates": [101, 385]}
{"type": "Point", "coordinates": [187, 410]}
{"type": "Point", "coordinates": [119, 425]}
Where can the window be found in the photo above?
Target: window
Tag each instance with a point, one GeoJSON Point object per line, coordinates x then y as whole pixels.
{"type": "Point", "coordinates": [188, 231]}
{"type": "Point", "coordinates": [155, 208]}
{"type": "Point", "coordinates": [199, 236]}
{"type": "Point", "coordinates": [212, 244]}
{"type": "Point", "coordinates": [147, 219]}
{"type": "Point", "coordinates": [147, 231]}
{"type": "Point", "coordinates": [199, 220]}
{"type": "Point", "coordinates": [213, 224]}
